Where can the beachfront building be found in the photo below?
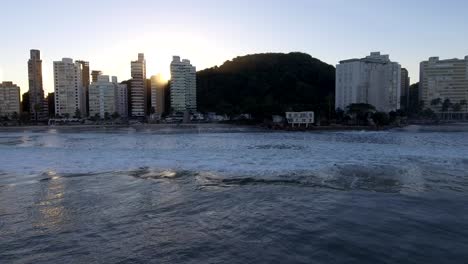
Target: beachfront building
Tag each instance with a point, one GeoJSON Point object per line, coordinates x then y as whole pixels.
{"type": "Point", "coordinates": [85, 74]}
{"type": "Point", "coordinates": [9, 99]}
{"type": "Point", "coordinates": [371, 80]}
{"type": "Point", "coordinates": [300, 118]}
{"type": "Point", "coordinates": [183, 86]}
{"type": "Point", "coordinates": [70, 97]}
{"type": "Point", "coordinates": [95, 75]}
{"type": "Point", "coordinates": [444, 79]}
{"type": "Point", "coordinates": [107, 98]}
{"type": "Point", "coordinates": [158, 85]}
{"type": "Point", "coordinates": [122, 98]}
{"type": "Point", "coordinates": [37, 106]}
{"type": "Point", "coordinates": [138, 87]}
{"type": "Point", "coordinates": [405, 88]}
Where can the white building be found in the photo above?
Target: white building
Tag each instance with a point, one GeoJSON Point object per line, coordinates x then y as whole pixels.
{"type": "Point", "coordinates": [9, 99]}
{"type": "Point", "coordinates": [183, 86]}
{"type": "Point", "coordinates": [107, 97]}
{"type": "Point", "coordinates": [300, 118]}
{"type": "Point", "coordinates": [138, 87]}
{"type": "Point", "coordinates": [444, 79]}
{"type": "Point", "coordinates": [158, 95]}
{"type": "Point", "coordinates": [69, 92]}
{"type": "Point", "coordinates": [372, 80]}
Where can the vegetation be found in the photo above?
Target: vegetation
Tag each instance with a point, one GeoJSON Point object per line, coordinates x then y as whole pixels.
{"type": "Point", "coordinates": [360, 112]}
{"type": "Point", "coordinates": [266, 84]}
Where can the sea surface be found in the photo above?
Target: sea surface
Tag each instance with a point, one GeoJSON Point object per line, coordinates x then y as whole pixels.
{"type": "Point", "coordinates": [128, 196]}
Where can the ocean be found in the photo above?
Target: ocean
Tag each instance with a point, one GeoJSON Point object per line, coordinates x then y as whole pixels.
{"type": "Point", "coordinates": [190, 196]}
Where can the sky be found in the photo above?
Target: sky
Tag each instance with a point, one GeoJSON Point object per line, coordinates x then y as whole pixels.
{"type": "Point", "coordinates": [110, 33]}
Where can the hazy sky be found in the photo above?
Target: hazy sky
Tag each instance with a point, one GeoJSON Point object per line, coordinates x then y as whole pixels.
{"type": "Point", "coordinates": [110, 33]}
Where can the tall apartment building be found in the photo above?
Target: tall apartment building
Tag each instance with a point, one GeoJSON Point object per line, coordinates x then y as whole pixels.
{"type": "Point", "coordinates": [444, 79]}
{"type": "Point", "coordinates": [158, 85]}
{"type": "Point", "coordinates": [122, 98]}
{"type": "Point", "coordinates": [107, 97]}
{"type": "Point", "coordinates": [69, 92]}
{"type": "Point", "coordinates": [36, 90]}
{"type": "Point", "coordinates": [183, 86]}
{"type": "Point", "coordinates": [95, 75]}
{"type": "Point", "coordinates": [138, 84]}
{"type": "Point", "coordinates": [85, 74]}
{"type": "Point", "coordinates": [372, 80]}
{"type": "Point", "coordinates": [405, 85]}
{"type": "Point", "coordinates": [9, 99]}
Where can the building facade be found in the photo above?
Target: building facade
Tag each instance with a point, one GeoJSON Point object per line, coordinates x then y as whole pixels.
{"type": "Point", "coordinates": [95, 75]}
{"type": "Point", "coordinates": [70, 97]}
{"type": "Point", "coordinates": [9, 99]}
{"type": "Point", "coordinates": [36, 90]}
{"type": "Point", "coordinates": [405, 88]}
{"type": "Point", "coordinates": [372, 80]}
{"type": "Point", "coordinates": [138, 84]}
{"type": "Point", "coordinates": [444, 79]}
{"type": "Point", "coordinates": [157, 95]}
{"type": "Point", "coordinates": [85, 74]}
{"type": "Point", "coordinates": [107, 98]}
{"type": "Point", "coordinates": [183, 86]}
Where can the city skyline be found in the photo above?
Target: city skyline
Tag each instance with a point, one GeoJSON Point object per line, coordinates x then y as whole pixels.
{"type": "Point", "coordinates": [210, 33]}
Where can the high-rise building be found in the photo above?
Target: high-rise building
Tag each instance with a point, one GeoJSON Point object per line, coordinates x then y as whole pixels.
{"type": "Point", "coordinates": [95, 75]}
{"type": "Point", "coordinates": [107, 98]}
{"type": "Point", "coordinates": [70, 98]}
{"type": "Point", "coordinates": [85, 74]}
{"type": "Point", "coordinates": [158, 85]}
{"type": "Point", "coordinates": [443, 79]}
{"type": "Point", "coordinates": [405, 91]}
{"type": "Point", "coordinates": [183, 86]}
{"type": "Point", "coordinates": [36, 90]}
{"type": "Point", "coordinates": [372, 80]}
{"type": "Point", "coordinates": [9, 99]}
{"type": "Point", "coordinates": [122, 98]}
{"type": "Point", "coordinates": [138, 83]}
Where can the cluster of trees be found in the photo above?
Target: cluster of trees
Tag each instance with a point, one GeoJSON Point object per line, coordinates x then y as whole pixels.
{"type": "Point", "coordinates": [364, 114]}
{"type": "Point", "coordinates": [267, 84]}
{"type": "Point", "coordinates": [447, 105]}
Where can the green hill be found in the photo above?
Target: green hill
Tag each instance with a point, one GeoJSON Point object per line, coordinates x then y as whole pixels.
{"type": "Point", "coordinates": [265, 84]}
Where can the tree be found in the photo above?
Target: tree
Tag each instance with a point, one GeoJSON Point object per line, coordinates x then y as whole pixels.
{"type": "Point", "coordinates": [153, 110]}
{"type": "Point", "coordinates": [360, 112]}
{"type": "Point", "coordinates": [78, 113]}
{"type": "Point", "coordinates": [381, 118]}
{"type": "Point", "coordinates": [66, 115]}
{"type": "Point", "coordinates": [116, 115]}
{"type": "Point", "coordinates": [457, 107]}
{"type": "Point", "coordinates": [24, 117]}
{"type": "Point", "coordinates": [15, 116]}
{"type": "Point", "coordinates": [106, 116]}
{"type": "Point", "coordinates": [446, 105]}
{"type": "Point", "coordinates": [428, 113]}
{"type": "Point", "coordinates": [436, 102]}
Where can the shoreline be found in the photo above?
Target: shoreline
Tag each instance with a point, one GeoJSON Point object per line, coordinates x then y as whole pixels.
{"type": "Point", "coordinates": [214, 127]}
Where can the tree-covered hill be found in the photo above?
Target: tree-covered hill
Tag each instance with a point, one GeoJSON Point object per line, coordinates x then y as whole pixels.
{"type": "Point", "coordinates": [265, 84]}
